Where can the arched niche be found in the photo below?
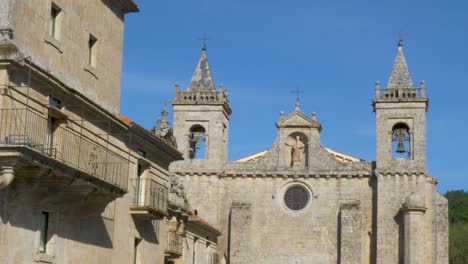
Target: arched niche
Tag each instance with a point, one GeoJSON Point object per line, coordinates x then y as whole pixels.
{"type": "Point", "coordinates": [297, 150]}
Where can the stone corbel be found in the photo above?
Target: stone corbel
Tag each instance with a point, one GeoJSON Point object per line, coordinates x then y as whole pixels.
{"type": "Point", "coordinates": [6, 34]}
{"type": "Point", "coordinates": [7, 174]}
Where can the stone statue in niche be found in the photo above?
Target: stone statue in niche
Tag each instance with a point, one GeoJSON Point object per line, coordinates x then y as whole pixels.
{"type": "Point", "coordinates": [297, 152]}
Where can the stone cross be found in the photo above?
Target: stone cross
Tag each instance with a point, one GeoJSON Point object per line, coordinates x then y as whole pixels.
{"type": "Point", "coordinates": [297, 92]}
{"type": "Point", "coordinates": [400, 38]}
{"type": "Point", "coordinates": [204, 38]}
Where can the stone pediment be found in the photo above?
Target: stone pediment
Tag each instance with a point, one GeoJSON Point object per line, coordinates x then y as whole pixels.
{"type": "Point", "coordinates": [298, 119]}
{"type": "Point", "coordinates": [323, 161]}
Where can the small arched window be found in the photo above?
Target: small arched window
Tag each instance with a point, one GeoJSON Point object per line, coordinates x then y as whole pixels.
{"type": "Point", "coordinates": [401, 141]}
{"type": "Point", "coordinates": [197, 142]}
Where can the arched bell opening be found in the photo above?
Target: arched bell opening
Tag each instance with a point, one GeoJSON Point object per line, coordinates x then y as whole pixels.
{"type": "Point", "coordinates": [297, 150]}
{"type": "Point", "coordinates": [401, 141]}
{"type": "Point", "coordinates": [197, 142]}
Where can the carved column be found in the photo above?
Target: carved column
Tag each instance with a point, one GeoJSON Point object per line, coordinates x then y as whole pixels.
{"type": "Point", "coordinates": [350, 243]}
{"type": "Point", "coordinates": [241, 234]}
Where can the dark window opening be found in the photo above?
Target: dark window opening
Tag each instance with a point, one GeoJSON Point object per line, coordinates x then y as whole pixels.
{"type": "Point", "coordinates": [49, 147]}
{"type": "Point", "coordinates": [136, 251]}
{"type": "Point", "coordinates": [54, 14]}
{"type": "Point", "coordinates": [55, 102]}
{"type": "Point", "coordinates": [296, 198]}
{"type": "Point", "coordinates": [92, 43]}
{"type": "Point", "coordinates": [141, 153]}
{"type": "Point", "coordinates": [44, 232]}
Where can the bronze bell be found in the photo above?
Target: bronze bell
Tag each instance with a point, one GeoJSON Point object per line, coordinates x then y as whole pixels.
{"type": "Point", "coordinates": [401, 147]}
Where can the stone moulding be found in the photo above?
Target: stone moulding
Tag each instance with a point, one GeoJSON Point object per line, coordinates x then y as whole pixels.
{"type": "Point", "coordinates": [287, 174]}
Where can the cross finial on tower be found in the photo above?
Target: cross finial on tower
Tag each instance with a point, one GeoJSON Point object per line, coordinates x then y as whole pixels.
{"type": "Point", "coordinates": [297, 92]}
{"type": "Point", "coordinates": [400, 38]}
{"type": "Point", "coordinates": [204, 38]}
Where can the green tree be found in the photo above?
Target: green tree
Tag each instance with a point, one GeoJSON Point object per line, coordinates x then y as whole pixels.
{"type": "Point", "coordinates": [458, 235]}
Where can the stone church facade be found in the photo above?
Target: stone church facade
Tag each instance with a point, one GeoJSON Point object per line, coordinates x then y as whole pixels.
{"type": "Point", "coordinates": [300, 202]}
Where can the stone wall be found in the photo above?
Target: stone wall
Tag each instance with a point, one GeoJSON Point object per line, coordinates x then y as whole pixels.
{"type": "Point", "coordinates": [66, 56]}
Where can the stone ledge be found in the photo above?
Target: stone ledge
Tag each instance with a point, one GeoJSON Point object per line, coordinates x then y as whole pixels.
{"type": "Point", "coordinates": [54, 43]}
{"type": "Point", "coordinates": [41, 257]}
{"type": "Point", "coordinates": [91, 70]}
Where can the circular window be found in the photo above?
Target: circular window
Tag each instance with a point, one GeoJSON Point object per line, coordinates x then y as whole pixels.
{"type": "Point", "coordinates": [296, 198]}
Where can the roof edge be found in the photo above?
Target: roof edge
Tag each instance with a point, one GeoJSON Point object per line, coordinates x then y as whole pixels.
{"type": "Point", "coordinates": [127, 6]}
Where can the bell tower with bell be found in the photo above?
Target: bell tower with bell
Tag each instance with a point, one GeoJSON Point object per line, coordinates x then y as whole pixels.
{"type": "Point", "coordinates": [201, 116]}
{"type": "Point", "coordinates": [400, 110]}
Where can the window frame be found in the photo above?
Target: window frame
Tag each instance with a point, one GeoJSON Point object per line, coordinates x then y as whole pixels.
{"type": "Point", "coordinates": [54, 20]}
{"type": "Point", "coordinates": [92, 50]}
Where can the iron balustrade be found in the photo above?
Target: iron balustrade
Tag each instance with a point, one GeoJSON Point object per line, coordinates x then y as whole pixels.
{"type": "Point", "coordinates": [148, 194]}
{"type": "Point", "coordinates": [27, 128]}
{"type": "Point", "coordinates": [174, 243]}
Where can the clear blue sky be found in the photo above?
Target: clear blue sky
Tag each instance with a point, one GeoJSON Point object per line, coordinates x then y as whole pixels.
{"type": "Point", "coordinates": [334, 50]}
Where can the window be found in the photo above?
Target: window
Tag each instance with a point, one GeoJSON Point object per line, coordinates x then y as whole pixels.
{"type": "Point", "coordinates": [55, 102]}
{"type": "Point", "coordinates": [92, 43]}
{"type": "Point", "coordinates": [136, 251]}
{"type": "Point", "coordinates": [48, 149]}
{"type": "Point", "coordinates": [53, 23]}
{"type": "Point", "coordinates": [141, 153]}
{"type": "Point", "coordinates": [138, 188]}
{"type": "Point", "coordinates": [296, 198]}
{"type": "Point", "coordinates": [44, 232]}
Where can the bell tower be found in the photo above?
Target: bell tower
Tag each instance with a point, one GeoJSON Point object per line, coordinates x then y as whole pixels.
{"type": "Point", "coordinates": [201, 116]}
{"type": "Point", "coordinates": [400, 110]}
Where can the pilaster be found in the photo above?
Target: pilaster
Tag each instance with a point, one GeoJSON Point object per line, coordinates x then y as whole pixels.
{"type": "Point", "coordinates": [241, 234]}
{"type": "Point", "coordinates": [350, 234]}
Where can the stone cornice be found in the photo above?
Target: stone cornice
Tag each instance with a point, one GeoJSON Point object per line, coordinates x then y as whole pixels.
{"type": "Point", "coordinates": [278, 174]}
{"type": "Point", "coordinates": [380, 173]}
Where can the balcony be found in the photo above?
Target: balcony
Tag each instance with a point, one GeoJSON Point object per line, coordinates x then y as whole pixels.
{"type": "Point", "coordinates": [53, 156]}
{"type": "Point", "coordinates": [174, 245]}
{"type": "Point", "coordinates": [149, 199]}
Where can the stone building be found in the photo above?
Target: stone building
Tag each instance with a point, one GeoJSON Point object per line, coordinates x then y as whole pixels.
{"type": "Point", "coordinates": [300, 202]}
{"type": "Point", "coordinates": [78, 182]}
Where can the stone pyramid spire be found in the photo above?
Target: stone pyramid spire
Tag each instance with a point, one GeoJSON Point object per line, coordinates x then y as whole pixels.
{"type": "Point", "coordinates": [400, 77]}
{"type": "Point", "coordinates": [202, 80]}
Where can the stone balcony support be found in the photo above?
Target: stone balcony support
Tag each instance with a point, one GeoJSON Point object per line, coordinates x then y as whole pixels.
{"type": "Point", "coordinates": [7, 175]}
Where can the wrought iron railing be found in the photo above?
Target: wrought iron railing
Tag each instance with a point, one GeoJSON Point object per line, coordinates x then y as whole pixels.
{"type": "Point", "coordinates": [174, 243]}
{"type": "Point", "coordinates": [90, 154]}
{"type": "Point", "coordinates": [149, 194]}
